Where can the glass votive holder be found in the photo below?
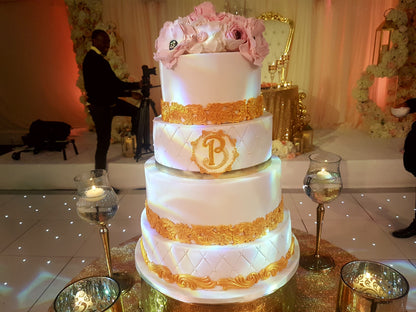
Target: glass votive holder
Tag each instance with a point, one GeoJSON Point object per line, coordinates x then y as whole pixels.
{"type": "Point", "coordinates": [91, 179]}
{"type": "Point", "coordinates": [368, 286]}
{"type": "Point", "coordinates": [90, 294]}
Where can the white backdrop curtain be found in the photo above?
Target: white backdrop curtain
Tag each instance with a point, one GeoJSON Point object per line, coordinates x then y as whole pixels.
{"type": "Point", "coordinates": [332, 44]}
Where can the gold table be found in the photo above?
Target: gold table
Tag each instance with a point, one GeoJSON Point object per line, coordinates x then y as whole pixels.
{"type": "Point", "coordinates": [283, 103]}
{"type": "Point", "coordinates": [313, 292]}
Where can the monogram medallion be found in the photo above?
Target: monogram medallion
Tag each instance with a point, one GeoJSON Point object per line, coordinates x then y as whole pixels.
{"type": "Point", "coordinates": [214, 152]}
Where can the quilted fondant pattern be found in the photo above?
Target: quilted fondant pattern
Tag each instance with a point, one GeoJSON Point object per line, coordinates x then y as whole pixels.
{"type": "Point", "coordinates": [173, 147]}
{"type": "Point", "coordinates": [217, 262]}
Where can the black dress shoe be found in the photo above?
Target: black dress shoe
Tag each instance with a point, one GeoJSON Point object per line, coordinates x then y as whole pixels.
{"type": "Point", "coordinates": [406, 232]}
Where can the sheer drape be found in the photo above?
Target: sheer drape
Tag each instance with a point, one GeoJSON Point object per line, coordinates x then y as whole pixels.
{"type": "Point", "coordinates": [343, 34]}
{"type": "Point", "coordinates": [332, 44]}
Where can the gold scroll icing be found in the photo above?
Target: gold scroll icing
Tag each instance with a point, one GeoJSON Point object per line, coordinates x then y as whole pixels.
{"type": "Point", "coordinates": [244, 232]}
{"type": "Point", "coordinates": [213, 113]}
{"type": "Point", "coordinates": [194, 282]}
{"type": "Point", "coordinates": [214, 152]}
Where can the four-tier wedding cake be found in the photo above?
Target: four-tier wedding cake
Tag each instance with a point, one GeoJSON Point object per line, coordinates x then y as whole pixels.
{"type": "Point", "coordinates": [215, 229]}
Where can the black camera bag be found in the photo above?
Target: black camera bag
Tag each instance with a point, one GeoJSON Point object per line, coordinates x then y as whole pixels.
{"type": "Point", "coordinates": [44, 134]}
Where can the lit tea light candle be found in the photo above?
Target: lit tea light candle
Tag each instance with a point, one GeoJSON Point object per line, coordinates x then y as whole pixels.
{"type": "Point", "coordinates": [128, 148]}
{"type": "Point", "coordinates": [323, 174]}
{"type": "Point", "coordinates": [94, 193]}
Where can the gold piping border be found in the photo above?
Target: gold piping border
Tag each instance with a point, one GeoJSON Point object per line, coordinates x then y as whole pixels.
{"type": "Point", "coordinates": [238, 282]}
{"type": "Point", "coordinates": [244, 232]}
{"type": "Point", "coordinates": [213, 113]}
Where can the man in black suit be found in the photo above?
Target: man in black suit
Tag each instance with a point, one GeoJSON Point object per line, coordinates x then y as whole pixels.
{"type": "Point", "coordinates": [103, 92]}
{"type": "Point", "coordinates": [409, 158]}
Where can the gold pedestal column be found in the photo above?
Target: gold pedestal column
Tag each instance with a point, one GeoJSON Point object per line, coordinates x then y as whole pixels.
{"type": "Point", "coordinates": [283, 104]}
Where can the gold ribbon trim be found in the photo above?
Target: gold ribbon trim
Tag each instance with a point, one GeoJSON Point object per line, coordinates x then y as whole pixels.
{"type": "Point", "coordinates": [194, 282]}
{"type": "Point", "coordinates": [244, 232]}
{"type": "Point", "coordinates": [213, 113]}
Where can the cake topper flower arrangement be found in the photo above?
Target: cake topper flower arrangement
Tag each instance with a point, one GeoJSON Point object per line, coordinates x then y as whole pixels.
{"type": "Point", "coordinates": [205, 31]}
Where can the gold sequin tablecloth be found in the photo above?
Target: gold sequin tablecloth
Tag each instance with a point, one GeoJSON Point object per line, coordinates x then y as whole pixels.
{"type": "Point", "coordinates": [283, 104]}
{"type": "Point", "coordinates": [313, 292]}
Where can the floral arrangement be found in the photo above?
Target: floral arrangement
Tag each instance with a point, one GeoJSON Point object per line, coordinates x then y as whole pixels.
{"type": "Point", "coordinates": [398, 62]}
{"type": "Point", "coordinates": [205, 31]}
{"type": "Point", "coordinates": [283, 149]}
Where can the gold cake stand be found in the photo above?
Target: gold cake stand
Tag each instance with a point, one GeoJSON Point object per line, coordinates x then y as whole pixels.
{"type": "Point", "coordinates": [306, 291]}
{"type": "Point", "coordinates": [281, 300]}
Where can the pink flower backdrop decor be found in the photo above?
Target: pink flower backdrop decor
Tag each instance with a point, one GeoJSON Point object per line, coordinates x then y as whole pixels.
{"type": "Point", "coordinates": [398, 64]}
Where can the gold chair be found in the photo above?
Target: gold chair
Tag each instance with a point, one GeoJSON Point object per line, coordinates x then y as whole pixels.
{"type": "Point", "coordinates": [279, 35]}
{"type": "Point", "coordinates": [285, 102]}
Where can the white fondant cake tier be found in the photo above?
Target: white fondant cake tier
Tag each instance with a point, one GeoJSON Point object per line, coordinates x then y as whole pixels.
{"type": "Point", "coordinates": [210, 78]}
{"type": "Point", "coordinates": [217, 262]}
{"type": "Point", "coordinates": [197, 199]}
{"type": "Point", "coordinates": [210, 296]}
{"type": "Point", "coordinates": [173, 148]}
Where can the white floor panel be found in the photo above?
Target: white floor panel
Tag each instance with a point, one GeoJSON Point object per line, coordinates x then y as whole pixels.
{"type": "Point", "coordinates": [358, 237]}
{"type": "Point", "coordinates": [24, 279]}
{"type": "Point", "coordinates": [120, 230]}
{"type": "Point", "coordinates": [41, 206]}
{"type": "Point", "coordinates": [406, 245]}
{"type": "Point", "coordinates": [51, 238]}
{"type": "Point", "coordinates": [395, 208]}
{"type": "Point", "coordinates": [132, 204]}
{"type": "Point", "coordinates": [74, 266]}
{"type": "Point", "coordinates": [11, 229]}
{"type": "Point", "coordinates": [342, 207]}
{"type": "Point", "coordinates": [295, 217]}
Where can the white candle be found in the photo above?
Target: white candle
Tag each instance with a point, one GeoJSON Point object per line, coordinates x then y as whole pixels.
{"type": "Point", "coordinates": [94, 192]}
{"type": "Point", "coordinates": [323, 174]}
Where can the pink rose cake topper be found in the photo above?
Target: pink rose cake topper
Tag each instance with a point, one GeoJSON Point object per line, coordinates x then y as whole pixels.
{"type": "Point", "coordinates": [205, 31]}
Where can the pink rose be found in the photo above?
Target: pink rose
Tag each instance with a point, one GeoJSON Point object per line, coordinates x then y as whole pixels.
{"type": "Point", "coordinates": [235, 33]}
{"type": "Point", "coordinates": [256, 48]}
{"type": "Point", "coordinates": [209, 37]}
{"type": "Point", "coordinates": [173, 41]}
{"type": "Point", "coordinates": [206, 10]}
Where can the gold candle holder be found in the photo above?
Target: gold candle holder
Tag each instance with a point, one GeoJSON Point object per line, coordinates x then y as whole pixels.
{"type": "Point", "coordinates": [90, 294]}
{"type": "Point", "coordinates": [367, 286]}
{"type": "Point", "coordinates": [307, 139]}
{"type": "Point", "coordinates": [128, 144]}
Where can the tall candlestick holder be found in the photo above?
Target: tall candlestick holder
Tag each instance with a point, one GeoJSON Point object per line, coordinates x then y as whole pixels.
{"type": "Point", "coordinates": [284, 65]}
{"type": "Point", "coordinates": [322, 184]}
{"type": "Point", "coordinates": [97, 204]}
